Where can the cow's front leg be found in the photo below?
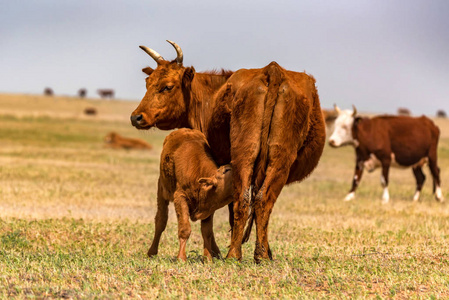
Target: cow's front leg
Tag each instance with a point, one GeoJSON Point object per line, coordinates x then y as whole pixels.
{"type": "Point", "coordinates": [184, 229]}
{"type": "Point", "coordinates": [384, 181]}
{"type": "Point", "coordinates": [420, 178]}
{"type": "Point", "coordinates": [356, 180]}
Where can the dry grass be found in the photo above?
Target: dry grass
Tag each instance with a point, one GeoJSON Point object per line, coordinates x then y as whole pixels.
{"type": "Point", "coordinates": [76, 220]}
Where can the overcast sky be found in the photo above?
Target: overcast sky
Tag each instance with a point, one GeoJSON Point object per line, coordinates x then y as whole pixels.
{"type": "Point", "coordinates": [378, 55]}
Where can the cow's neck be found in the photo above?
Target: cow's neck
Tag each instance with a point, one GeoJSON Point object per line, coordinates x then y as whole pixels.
{"type": "Point", "coordinates": [201, 102]}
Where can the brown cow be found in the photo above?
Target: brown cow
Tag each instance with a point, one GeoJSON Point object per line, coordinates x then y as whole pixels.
{"type": "Point", "coordinates": [106, 93]}
{"type": "Point", "coordinates": [189, 178]}
{"type": "Point", "coordinates": [48, 91]}
{"type": "Point", "coordinates": [402, 111]}
{"type": "Point", "coordinates": [114, 140]}
{"type": "Point", "coordinates": [441, 114]}
{"type": "Point", "coordinates": [389, 140]}
{"type": "Point", "coordinates": [90, 111]}
{"type": "Point", "coordinates": [271, 126]}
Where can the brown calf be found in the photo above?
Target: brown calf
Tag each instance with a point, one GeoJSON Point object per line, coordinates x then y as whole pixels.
{"type": "Point", "coordinates": [189, 177]}
{"type": "Point", "coordinates": [114, 140]}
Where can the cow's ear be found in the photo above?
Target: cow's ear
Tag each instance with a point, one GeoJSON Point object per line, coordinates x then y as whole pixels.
{"type": "Point", "coordinates": [208, 182]}
{"type": "Point", "coordinates": [188, 75]}
{"type": "Point", "coordinates": [147, 70]}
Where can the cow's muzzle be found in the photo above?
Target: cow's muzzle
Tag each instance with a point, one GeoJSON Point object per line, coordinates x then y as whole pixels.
{"type": "Point", "coordinates": [136, 120]}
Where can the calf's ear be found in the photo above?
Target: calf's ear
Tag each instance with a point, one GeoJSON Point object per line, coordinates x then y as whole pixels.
{"type": "Point", "coordinates": [147, 70]}
{"type": "Point", "coordinates": [208, 181]}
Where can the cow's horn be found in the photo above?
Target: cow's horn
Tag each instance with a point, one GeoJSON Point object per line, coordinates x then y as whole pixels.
{"type": "Point", "coordinates": [354, 110]}
{"type": "Point", "coordinates": [178, 52]}
{"type": "Point", "coordinates": [156, 56]}
{"type": "Point", "coordinates": [337, 109]}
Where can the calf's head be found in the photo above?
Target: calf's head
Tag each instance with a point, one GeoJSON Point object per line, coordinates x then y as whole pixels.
{"type": "Point", "coordinates": [342, 134]}
{"type": "Point", "coordinates": [165, 102]}
{"type": "Point", "coordinates": [219, 186]}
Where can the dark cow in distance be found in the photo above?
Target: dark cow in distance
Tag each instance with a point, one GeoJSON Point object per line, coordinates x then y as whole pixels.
{"type": "Point", "coordinates": [270, 129]}
{"type": "Point", "coordinates": [48, 91]}
{"type": "Point", "coordinates": [90, 111]}
{"type": "Point", "coordinates": [385, 141]}
{"type": "Point", "coordinates": [402, 111]}
{"type": "Point", "coordinates": [82, 93]}
{"type": "Point", "coordinates": [441, 114]}
{"type": "Point", "coordinates": [190, 178]}
{"type": "Point", "coordinates": [115, 140]}
{"type": "Point", "coordinates": [106, 93]}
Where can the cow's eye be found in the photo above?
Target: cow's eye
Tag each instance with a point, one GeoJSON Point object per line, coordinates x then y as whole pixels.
{"type": "Point", "coordinates": [166, 88]}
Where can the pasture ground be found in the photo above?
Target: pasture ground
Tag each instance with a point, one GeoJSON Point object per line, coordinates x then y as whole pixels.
{"type": "Point", "coordinates": [76, 220]}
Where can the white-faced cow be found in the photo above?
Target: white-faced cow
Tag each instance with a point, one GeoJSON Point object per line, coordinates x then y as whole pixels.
{"type": "Point", "coordinates": [385, 141]}
{"type": "Point", "coordinates": [270, 129]}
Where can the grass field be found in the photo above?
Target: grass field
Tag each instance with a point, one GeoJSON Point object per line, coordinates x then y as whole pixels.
{"type": "Point", "coordinates": [76, 220]}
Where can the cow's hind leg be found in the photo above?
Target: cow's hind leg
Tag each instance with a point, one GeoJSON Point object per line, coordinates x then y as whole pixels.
{"type": "Point", "coordinates": [420, 178]}
{"type": "Point", "coordinates": [435, 171]}
{"type": "Point", "coordinates": [184, 229]}
{"type": "Point", "coordinates": [276, 178]}
{"type": "Point", "coordinates": [160, 222]}
{"type": "Point", "coordinates": [210, 246]}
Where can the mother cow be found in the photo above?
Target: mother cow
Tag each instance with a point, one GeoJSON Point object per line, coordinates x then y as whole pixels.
{"type": "Point", "coordinates": [270, 128]}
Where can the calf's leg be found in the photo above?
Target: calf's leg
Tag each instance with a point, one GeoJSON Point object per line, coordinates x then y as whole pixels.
{"type": "Point", "coordinates": [210, 246]}
{"type": "Point", "coordinates": [184, 229]}
{"type": "Point", "coordinates": [160, 221]}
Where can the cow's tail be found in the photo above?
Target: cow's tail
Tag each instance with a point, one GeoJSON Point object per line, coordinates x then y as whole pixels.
{"type": "Point", "coordinates": [274, 78]}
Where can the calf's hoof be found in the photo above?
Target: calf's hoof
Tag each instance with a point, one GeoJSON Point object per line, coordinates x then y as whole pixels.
{"type": "Point", "coordinates": [350, 196]}
{"type": "Point", "coordinates": [234, 254]}
{"type": "Point", "coordinates": [151, 253]}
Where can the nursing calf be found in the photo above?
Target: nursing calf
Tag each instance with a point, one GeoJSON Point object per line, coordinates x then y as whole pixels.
{"type": "Point", "coordinates": [385, 141]}
{"type": "Point", "coordinates": [191, 179]}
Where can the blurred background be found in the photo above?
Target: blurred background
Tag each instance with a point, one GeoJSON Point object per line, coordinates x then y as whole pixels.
{"type": "Point", "coordinates": [379, 55]}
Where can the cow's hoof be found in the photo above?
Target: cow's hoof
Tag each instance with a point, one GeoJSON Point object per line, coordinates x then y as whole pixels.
{"type": "Point", "coordinates": [350, 196]}
{"type": "Point", "coordinates": [416, 197]}
{"type": "Point", "coordinates": [151, 253]}
{"type": "Point", "coordinates": [439, 195]}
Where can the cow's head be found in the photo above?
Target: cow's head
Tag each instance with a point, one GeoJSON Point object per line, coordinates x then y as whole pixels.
{"type": "Point", "coordinates": [342, 134]}
{"type": "Point", "coordinates": [164, 105]}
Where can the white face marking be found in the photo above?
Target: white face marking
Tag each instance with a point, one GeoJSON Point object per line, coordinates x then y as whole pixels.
{"type": "Point", "coordinates": [342, 133]}
{"type": "Point", "coordinates": [416, 197]}
{"type": "Point", "coordinates": [350, 196]}
{"type": "Point", "coordinates": [385, 196]}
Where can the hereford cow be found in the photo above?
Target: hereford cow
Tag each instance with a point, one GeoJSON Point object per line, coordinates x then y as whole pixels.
{"type": "Point", "coordinates": [441, 114]}
{"type": "Point", "coordinates": [114, 140]}
{"type": "Point", "coordinates": [385, 141]}
{"type": "Point", "coordinates": [270, 129]}
{"type": "Point", "coordinates": [90, 111]}
{"type": "Point", "coordinates": [189, 177]}
{"type": "Point", "coordinates": [402, 111]}
{"type": "Point", "coordinates": [106, 93]}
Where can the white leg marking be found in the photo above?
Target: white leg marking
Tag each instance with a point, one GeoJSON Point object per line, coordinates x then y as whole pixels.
{"type": "Point", "coordinates": [350, 196]}
{"type": "Point", "coordinates": [382, 181]}
{"type": "Point", "coordinates": [439, 194]}
{"type": "Point", "coordinates": [416, 197]}
{"type": "Point", "coordinates": [385, 196]}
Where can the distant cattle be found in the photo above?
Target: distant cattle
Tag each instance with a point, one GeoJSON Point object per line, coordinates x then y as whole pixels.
{"type": "Point", "coordinates": [441, 114]}
{"type": "Point", "coordinates": [48, 92]}
{"type": "Point", "coordinates": [90, 111]}
{"type": "Point", "coordinates": [404, 111]}
{"type": "Point", "coordinates": [385, 141]}
{"type": "Point", "coordinates": [114, 140]}
{"type": "Point", "coordinates": [82, 93]}
{"type": "Point", "coordinates": [271, 129]}
{"type": "Point", "coordinates": [191, 179]}
{"type": "Point", "coordinates": [106, 93]}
